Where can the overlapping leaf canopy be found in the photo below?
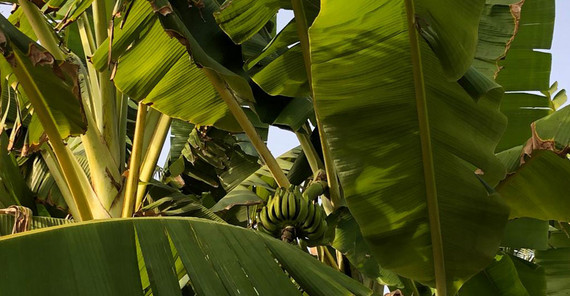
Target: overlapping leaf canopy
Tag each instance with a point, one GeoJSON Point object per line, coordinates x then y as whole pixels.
{"type": "Point", "coordinates": [393, 158]}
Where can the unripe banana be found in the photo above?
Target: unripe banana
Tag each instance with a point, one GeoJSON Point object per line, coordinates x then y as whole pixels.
{"type": "Point", "coordinates": [303, 210]}
{"type": "Point", "coordinates": [292, 206]}
{"type": "Point", "coordinates": [269, 200]}
{"type": "Point", "coordinates": [316, 221]}
{"type": "Point", "coordinates": [315, 189]}
{"type": "Point", "coordinates": [263, 229]}
{"type": "Point", "coordinates": [289, 212]}
{"type": "Point", "coordinates": [310, 216]}
{"type": "Point", "coordinates": [319, 232]}
{"type": "Point", "coordinates": [271, 211]}
{"type": "Point", "coordinates": [277, 204]}
{"type": "Point", "coordinates": [264, 217]}
{"type": "Point", "coordinates": [284, 207]}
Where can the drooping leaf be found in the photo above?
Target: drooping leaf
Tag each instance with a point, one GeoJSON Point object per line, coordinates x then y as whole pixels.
{"type": "Point", "coordinates": [210, 160]}
{"type": "Point", "coordinates": [525, 66]}
{"type": "Point", "coordinates": [539, 188]}
{"type": "Point", "coordinates": [526, 233]}
{"type": "Point", "coordinates": [169, 79]}
{"type": "Point", "coordinates": [502, 278]}
{"type": "Point", "coordinates": [556, 264]}
{"type": "Point", "coordinates": [100, 257]}
{"type": "Point", "coordinates": [52, 83]}
{"type": "Point", "coordinates": [195, 28]}
{"type": "Point", "coordinates": [365, 95]}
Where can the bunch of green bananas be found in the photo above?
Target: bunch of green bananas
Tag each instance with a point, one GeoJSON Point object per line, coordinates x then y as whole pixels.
{"type": "Point", "coordinates": [288, 215]}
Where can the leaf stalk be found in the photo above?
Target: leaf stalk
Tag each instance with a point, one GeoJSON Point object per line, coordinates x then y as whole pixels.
{"type": "Point", "coordinates": [302, 31]}
{"type": "Point", "coordinates": [220, 85]}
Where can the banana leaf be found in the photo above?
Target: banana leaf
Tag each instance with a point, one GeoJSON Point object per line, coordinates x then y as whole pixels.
{"type": "Point", "coordinates": [394, 157]}
{"type": "Point", "coordinates": [100, 258]}
{"type": "Point", "coordinates": [507, 275]}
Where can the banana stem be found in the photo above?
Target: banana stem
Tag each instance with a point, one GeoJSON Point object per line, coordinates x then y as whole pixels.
{"type": "Point", "coordinates": [104, 172]}
{"type": "Point", "coordinates": [110, 122]}
{"type": "Point", "coordinates": [100, 20]}
{"type": "Point", "coordinates": [330, 258]}
{"type": "Point", "coordinates": [134, 164]}
{"type": "Point", "coordinates": [151, 157]}
{"type": "Point", "coordinates": [220, 85]}
{"type": "Point", "coordinates": [302, 31]}
{"type": "Point", "coordinates": [152, 119]}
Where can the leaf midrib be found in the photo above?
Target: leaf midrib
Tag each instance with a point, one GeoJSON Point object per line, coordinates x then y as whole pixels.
{"type": "Point", "coordinates": [427, 153]}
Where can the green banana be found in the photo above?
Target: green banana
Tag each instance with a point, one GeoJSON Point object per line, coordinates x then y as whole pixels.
{"type": "Point", "coordinates": [310, 216]}
{"type": "Point", "coordinates": [316, 221]}
{"type": "Point", "coordinates": [289, 209]}
{"type": "Point", "coordinates": [303, 210]}
{"type": "Point", "coordinates": [271, 211]}
{"type": "Point", "coordinates": [315, 189]}
{"type": "Point", "coordinates": [284, 207]}
{"type": "Point", "coordinates": [264, 217]}
{"type": "Point", "coordinates": [319, 232]}
{"type": "Point", "coordinates": [279, 204]}
{"type": "Point", "coordinates": [263, 229]}
{"type": "Point", "coordinates": [292, 206]}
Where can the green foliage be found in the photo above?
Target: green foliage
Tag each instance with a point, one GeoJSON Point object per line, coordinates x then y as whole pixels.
{"type": "Point", "coordinates": [437, 118]}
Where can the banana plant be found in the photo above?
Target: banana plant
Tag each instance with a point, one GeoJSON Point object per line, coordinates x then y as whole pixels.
{"type": "Point", "coordinates": [416, 178]}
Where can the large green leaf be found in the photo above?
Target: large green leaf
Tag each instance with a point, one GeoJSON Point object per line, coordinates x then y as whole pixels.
{"type": "Point", "coordinates": [348, 240]}
{"type": "Point", "coordinates": [366, 100]}
{"type": "Point", "coordinates": [525, 66]}
{"type": "Point", "coordinates": [168, 79]}
{"type": "Point", "coordinates": [539, 188]}
{"type": "Point", "coordinates": [241, 19]}
{"type": "Point", "coordinates": [100, 258]}
{"type": "Point", "coordinates": [556, 264]}
{"type": "Point", "coordinates": [535, 28]}
{"type": "Point", "coordinates": [196, 29]}
{"type": "Point", "coordinates": [507, 275]}
{"type": "Point", "coordinates": [526, 233]}
{"type": "Point", "coordinates": [522, 109]}
{"type": "Point", "coordinates": [52, 83]}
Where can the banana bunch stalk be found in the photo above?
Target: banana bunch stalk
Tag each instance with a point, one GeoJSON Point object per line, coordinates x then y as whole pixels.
{"type": "Point", "coordinates": [289, 215]}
